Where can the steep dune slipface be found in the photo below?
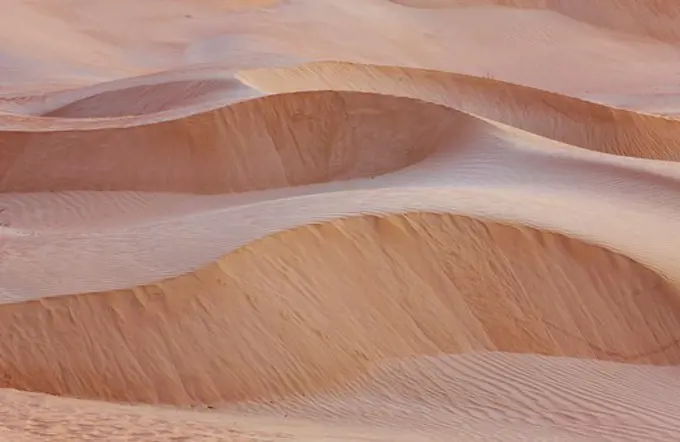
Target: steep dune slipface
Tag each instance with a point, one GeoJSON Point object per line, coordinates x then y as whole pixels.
{"type": "Point", "coordinates": [276, 141]}
{"type": "Point", "coordinates": [259, 324]}
{"type": "Point", "coordinates": [569, 120]}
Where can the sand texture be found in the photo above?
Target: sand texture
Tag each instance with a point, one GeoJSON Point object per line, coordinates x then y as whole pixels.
{"type": "Point", "coordinates": [339, 220]}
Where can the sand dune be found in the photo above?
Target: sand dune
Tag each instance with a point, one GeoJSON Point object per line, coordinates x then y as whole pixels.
{"type": "Point", "coordinates": [428, 295]}
{"type": "Point", "coordinates": [482, 170]}
{"type": "Point", "coordinates": [439, 284]}
{"type": "Point", "coordinates": [569, 120]}
{"type": "Point", "coordinates": [362, 220]}
{"type": "Point", "coordinates": [618, 46]}
{"type": "Point", "coordinates": [215, 152]}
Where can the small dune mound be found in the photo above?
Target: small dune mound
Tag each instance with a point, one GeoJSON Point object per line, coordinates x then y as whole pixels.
{"type": "Point", "coordinates": [259, 323]}
{"type": "Point", "coordinates": [271, 142]}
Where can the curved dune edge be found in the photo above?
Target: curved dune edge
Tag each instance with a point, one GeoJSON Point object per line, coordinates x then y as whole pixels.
{"type": "Point", "coordinates": [41, 161]}
{"type": "Point", "coordinates": [560, 117]}
{"type": "Point", "coordinates": [150, 99]}
{"type": "Point", "coordinates": [157, 98]}
{"type": "Point", "coordinates": [487, 170]}
{"type": "Point", "coordinates": [569, 120]}
{"type": "Point", "coordinates": [258, 324]}
{"type": "Point", "coordinates": [453, 398]}
{"type": "Point", "coordinates": [130, 97]}
{"type": "Point", "coordinates": [276, 141]}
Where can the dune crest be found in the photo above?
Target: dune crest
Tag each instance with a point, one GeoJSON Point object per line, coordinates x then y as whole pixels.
{"type": "Point", "coordinates": [370, 220]}
{"type": "Point", "coordinates": [569, 120]}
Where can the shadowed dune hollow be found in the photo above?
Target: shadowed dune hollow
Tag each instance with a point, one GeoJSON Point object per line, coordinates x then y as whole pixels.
{"type": "Point", "coordinates": [277, 141]}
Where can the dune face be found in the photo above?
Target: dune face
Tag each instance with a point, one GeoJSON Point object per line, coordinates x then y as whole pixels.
{"type": "Point", "coordinates": [259, 324]}
{"type": "Point", "coordinates": [365, 220]}
{"type": "Point", "coordinates": [278, 141]}
{"type": "Point", "coordinates": [562, 118]}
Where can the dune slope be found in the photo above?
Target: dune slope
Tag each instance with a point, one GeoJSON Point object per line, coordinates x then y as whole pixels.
{"type": "Point", "coordinates": [277, 141]}
{"type": "Point", "coordinates": [366, 220]}
{"type": "Point", "coordinates": [478, 168]}
{"type": "Point", "coordinates": [258, 323]}
{"type": "Point", "coordinates": [573, 121]}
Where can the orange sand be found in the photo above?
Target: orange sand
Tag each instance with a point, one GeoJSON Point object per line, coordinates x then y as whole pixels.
{"type": "Point", "coordinates": [363, 220]}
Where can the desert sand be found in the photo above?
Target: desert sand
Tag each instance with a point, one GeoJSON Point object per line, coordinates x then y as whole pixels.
{"type": "Point", "coordinates": [319, 220]}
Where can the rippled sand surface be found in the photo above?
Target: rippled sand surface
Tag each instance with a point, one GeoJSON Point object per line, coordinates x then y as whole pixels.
{"type": "Point", "coordinates": [318, 220]}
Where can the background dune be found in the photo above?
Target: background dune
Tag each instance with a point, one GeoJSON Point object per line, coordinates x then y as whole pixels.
{"type": "Point", "coordinates": [569, 120]}
{"type": "Point", "coordinates": [362, 220]}
{"type": "Point", "coordinates": [619, 46]}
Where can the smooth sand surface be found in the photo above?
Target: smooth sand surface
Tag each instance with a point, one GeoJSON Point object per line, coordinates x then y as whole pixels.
{"type": "Point", "coordinates": [321, 220]}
